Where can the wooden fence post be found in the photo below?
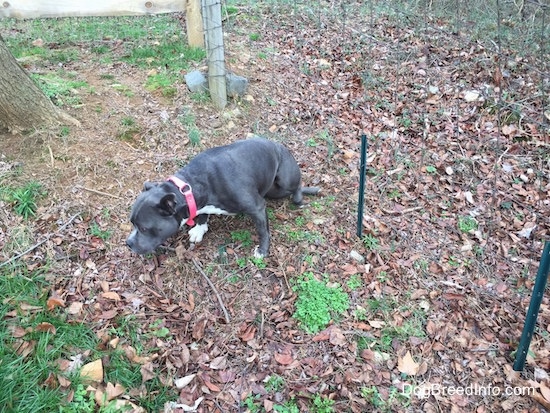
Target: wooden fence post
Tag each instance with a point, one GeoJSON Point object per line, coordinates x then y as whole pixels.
{"type": "Point", "coordinates": [195, 31]}
{"type": "Point", "coordinates": [212, 18]}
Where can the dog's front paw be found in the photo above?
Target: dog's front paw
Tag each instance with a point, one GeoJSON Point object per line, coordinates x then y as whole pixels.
{"type": "Point", "coordinates": [197, 232]}
{"type": "Point", "coordinates": [258, 253]}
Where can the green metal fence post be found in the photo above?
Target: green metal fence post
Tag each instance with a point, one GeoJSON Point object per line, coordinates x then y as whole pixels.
{"type": "Point", "coordinates": [534, 306]}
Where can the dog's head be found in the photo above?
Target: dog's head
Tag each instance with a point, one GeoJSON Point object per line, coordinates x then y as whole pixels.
{"type": "Point", "coordinates": [155, 218]}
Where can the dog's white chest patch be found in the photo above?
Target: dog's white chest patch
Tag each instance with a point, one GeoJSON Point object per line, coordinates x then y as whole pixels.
{"type": "Point", "coordinates": [211, 209]}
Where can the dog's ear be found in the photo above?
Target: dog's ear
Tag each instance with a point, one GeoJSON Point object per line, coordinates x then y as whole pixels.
{"type": "Point", "coordinates": [149, 185]}
{"type": "Point", "coordinates": [167, 204]}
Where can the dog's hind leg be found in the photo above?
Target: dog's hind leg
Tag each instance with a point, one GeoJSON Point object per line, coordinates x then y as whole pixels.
{"type": "Point", "coordinates": [259, 216]}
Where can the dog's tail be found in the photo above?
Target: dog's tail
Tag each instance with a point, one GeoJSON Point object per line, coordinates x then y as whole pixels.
{"type": "Point", "coordinates": [310, 190]}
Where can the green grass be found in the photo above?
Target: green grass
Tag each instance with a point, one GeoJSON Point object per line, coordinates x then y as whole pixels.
{"type": "Point", "coordinates": [61, 88]}
{"type": "Point", "coordinates": [162, 83]}
{"type": "Point", "coordinates": [275, 383]}
{"type": "Point", "coordinates": [370, 242]}
{"type": "Point", "coordinates": [154, 42]}
{"type": "Point", "coordinates": [317, 303]}
{"type": "Point", "coordinates": [23, 199]}
{"type": "Point", "coordinates": [467, 224]}
{"type": "Point", "coordinates": [96, 231]}
{"type": "Point", "coordinates": [395, 400]}
{"type": "Point", "coordinates": [30, 353]}
{"type": "Point", "coordinates": [244, 237]}
{"type": "Point", "coordinates": [383, 308]}
{"type": "Point", "coordinates": [322, 404]}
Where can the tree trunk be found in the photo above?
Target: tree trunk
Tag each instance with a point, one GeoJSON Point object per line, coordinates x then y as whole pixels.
{"type": "Point", "coordinates": [23, 106]}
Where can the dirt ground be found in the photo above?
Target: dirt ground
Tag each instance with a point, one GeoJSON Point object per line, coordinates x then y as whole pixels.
{"type": "Point", "coordinates": [473, 288]}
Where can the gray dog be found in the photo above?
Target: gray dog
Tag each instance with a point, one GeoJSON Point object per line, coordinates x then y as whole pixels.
{"type": "Point", "coordinates": [225, 180]}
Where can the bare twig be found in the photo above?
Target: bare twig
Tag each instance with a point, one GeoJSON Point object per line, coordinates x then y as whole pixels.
{"type": "Point", "coordinates": [95, 191]}
{"type": "Point", "coordinates": [220, 301]}
{"type": "Point", "coordinates": [61, 228]}
{"type": "Point", "coordinates": [403, 211]}
{"type": "Point", "coordinates": [51, 155]}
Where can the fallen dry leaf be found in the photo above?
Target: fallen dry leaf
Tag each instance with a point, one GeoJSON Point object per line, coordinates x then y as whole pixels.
{"type": "Point", "coordinates": [337, 338]}
{"type": "Point", "coordinates": [46, 328]}
{"type": "Point", "coordinates": [218, 363]}
{"type": "Point", "coordinates": [75, 308]}
{"type": "Point", "coordinates": [184, 381]}
{"type": "Point", "coordinates": [112, 391]}
{"type": "Point", "coordinates": [407, 365]}
{"type": "Point", "coordinates": [147, 372]}
{"type": "Point", "coordinates": [284, 359]}
{"type": "Point", "coordinates": [111, 295]}
{"type": "Point", "coordinates": [92, 371]}
{"type": "Point", "coordinates": [54, 302]}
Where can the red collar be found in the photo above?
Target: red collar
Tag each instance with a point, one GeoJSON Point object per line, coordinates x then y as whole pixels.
{"type": "Point", "coordinates": [189, 198]}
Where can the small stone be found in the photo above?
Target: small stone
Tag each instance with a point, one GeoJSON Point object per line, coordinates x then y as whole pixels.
{"type": "Point", "coordinates": [236, 85]}
{"type": "Point", "coordinates": [196, 81]}
{"type": "Point", "coordinates": [356, 256]}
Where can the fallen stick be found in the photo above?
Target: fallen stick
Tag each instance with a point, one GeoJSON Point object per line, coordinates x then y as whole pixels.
{"type": "Point", "coordinates": [199, 268]}
{"type": "Point", "coordinates": [403, 211]}
{"type": "Point", "coordinates": [95, 191]}
{"type": "Point", "coordinates": [541, 400]}
{"type": "Point", "coordinates": [35, 246]}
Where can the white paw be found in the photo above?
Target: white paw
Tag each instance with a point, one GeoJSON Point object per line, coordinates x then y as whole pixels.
{"type": "Point", "coordinates": [257, 253]}
{"type": "Point", "coordinates": [197, 232]}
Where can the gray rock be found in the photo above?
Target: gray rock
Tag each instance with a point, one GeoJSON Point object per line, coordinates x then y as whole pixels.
{"type": "Point", "coordinates": [196, 81]}
{"type": "Point", "coordinates": [357, 257]}
{"type": "Point", "coordinates": [236, 85]}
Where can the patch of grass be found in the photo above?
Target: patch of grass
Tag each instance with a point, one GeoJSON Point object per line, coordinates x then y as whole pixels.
{"type": "Point", "coordinates": [394, 194]}
{"type": "Point", "coordinates": [127, 121]}
{"type": "Point", "coordinates": [162, 83]}
{"type": "Point", "coordinates": [297, 235]}
{"type": "Point", "coordinates": [125, 90]}
{"type": "Point", "coordinates": [200, 97]}
{"type": "Point", "coordinates": [130, 131]}
{"type": "Point", "coordinates": [188, 121]}
{"type": "Point", "coordinates": [288, 407]}
{"type": "Point", "coordinates": [431, 169]}
{"type": "Point", "coordinates": [252, 403]}
{"type": "Point", "coordinates": [317, 303]}
{"type": "Point", "coordinates": [412, 326]}
{"type": "Point", "coordinates": [274, 383]}
{"type": "Point", "coordinates": [326, 137]}
{"type": "Point", "coordinates": [32, 341]}
{"type": "Point", "coordinates": [243, 262]}
{"type": "Point", "coordinates": [467, 224]}
{"type": "Point", "coordinates": [60, 89]}
{"type": "Point", "coordinates": [172, 54]}
{"type": "Point", "coordinates": [194, 136]}
{"type": "Point", "coordinates": [64, 131]}
{"type": "Point", "coordinates": [322, 404]}
{"type": "Point", "coordinates": [395, 400]}
{"type": "Point", "coordinates": [254, 36]}
{"type": "Point", "coordinates": [38, 334]}
{"type": "Point", "coordinates": [355, 282]}
{"type": "Point", "coordinates": [370, 242]}
{"type": "Point", "coordinates": [23, 199]}
{"type": "Point", "coordinates": [311, 142]}
{"type": "Point", "coordinates": [243, 236]}
{"type": "Point", "coordinates": [96, 231]}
